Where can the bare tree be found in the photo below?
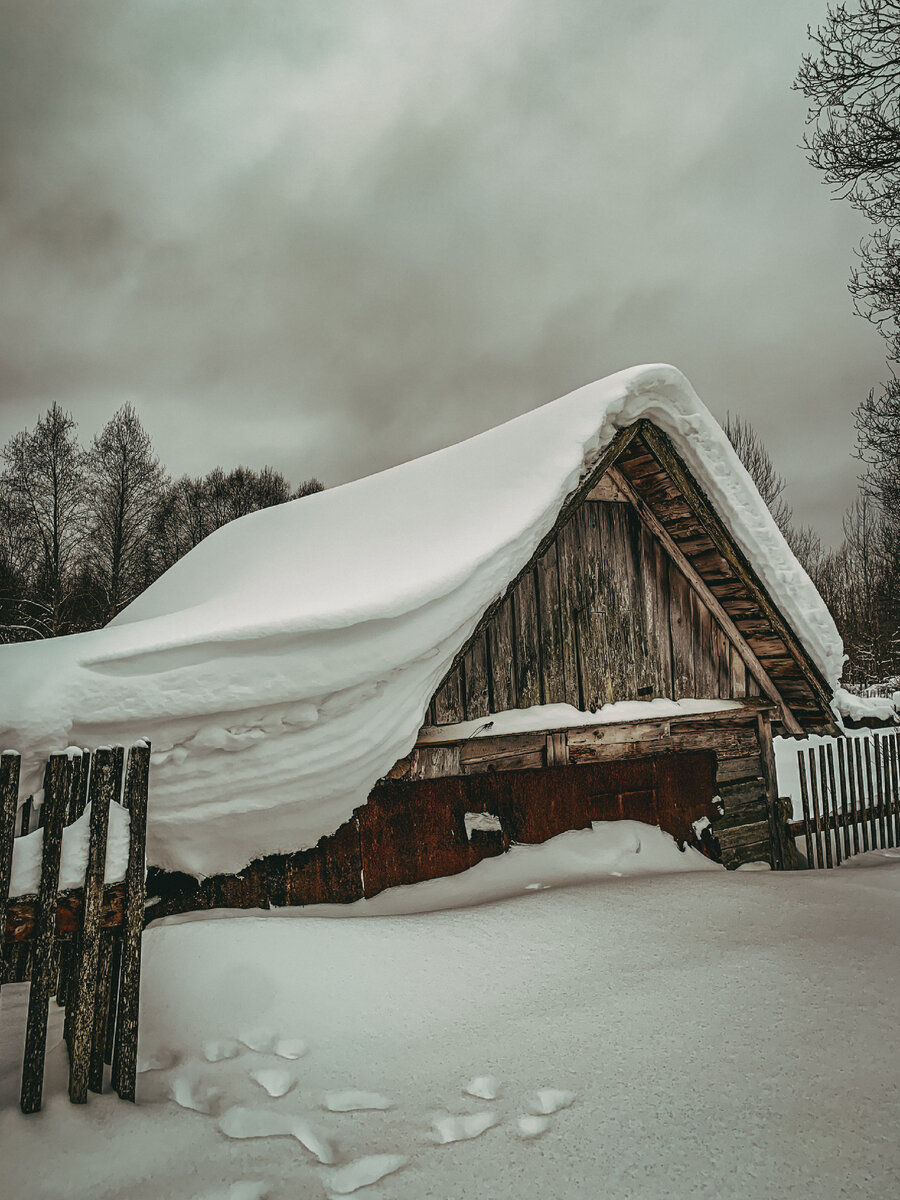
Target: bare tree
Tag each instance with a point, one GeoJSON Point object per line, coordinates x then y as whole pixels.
{"type": "Point", "coordinates": [755, 458]}
{"type": "Point", "coordinates": [44, 490]}
{"type": "Point", "coordinates": [125, 480]}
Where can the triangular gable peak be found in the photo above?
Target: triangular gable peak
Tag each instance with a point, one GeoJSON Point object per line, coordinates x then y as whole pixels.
{"type": "Point", "coordinates": [638, 591]}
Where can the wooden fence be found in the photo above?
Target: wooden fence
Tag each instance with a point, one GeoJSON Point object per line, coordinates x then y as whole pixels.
{"type": "Point", "coordinates": [83, 945]}
{"type": "Point", "coordinates": [850, 791]}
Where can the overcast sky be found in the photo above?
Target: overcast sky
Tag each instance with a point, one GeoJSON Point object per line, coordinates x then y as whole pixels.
{"type": "Point", "coordinates": [331, 235]}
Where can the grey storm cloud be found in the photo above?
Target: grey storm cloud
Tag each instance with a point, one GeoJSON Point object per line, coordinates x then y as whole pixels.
{"type": "Point", "coordinates": [331, 236]}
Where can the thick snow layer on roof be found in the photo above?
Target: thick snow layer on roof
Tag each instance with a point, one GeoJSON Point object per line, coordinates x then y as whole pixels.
{"type": "Point", "coordinates": [286, 663]}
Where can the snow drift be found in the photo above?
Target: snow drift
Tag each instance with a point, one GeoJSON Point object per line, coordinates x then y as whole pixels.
{"type": "Point", "coordinates": [285, 664]}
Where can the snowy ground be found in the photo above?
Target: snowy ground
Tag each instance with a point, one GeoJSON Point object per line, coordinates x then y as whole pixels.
{"type": "Point", "coordinates": [723, 1034]}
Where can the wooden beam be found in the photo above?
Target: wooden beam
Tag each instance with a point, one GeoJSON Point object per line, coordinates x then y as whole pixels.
{"type": "Point", "coordinates": [667, 457]}
{"type": "Point", "coordinates": [740, 643]}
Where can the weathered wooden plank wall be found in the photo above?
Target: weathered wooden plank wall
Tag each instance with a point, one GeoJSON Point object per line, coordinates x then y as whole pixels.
{"type": "Point", "coordinates": [605, 615]}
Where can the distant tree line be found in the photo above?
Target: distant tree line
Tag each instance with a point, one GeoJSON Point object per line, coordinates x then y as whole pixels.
{"type": "Point", "coordinates": [83, 531]}
{"type": "Point", "coordinates": [859, 581]}
{"type": "Point", "coordinates": [851, 78]}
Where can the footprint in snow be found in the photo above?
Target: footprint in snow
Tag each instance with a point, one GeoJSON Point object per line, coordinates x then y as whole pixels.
{"type": "Point", "coordinates": [240, 1123]}
{"type": "Point", "coordinates": [462, 1129]}
{"type": "Point", "coordinates": [532, 1127]}
{"type": "Point", "coordinates": [195, 1096]}
{"type": "Point", "coordinates": [353, 1101]}
{"type": "Point", "coordinates": [219, 1051]}
{"type": "Point", "coordinates": [354, 1175]}
{"type": "Point", "coordinates": [290, 1048]}
{"type": "Point", "coordinates": [483, 1087]}
{"type": "Point", "coordinates": [551, 1100]}
{"type": "Point", "coordinates": [275, 1080]}
{"type": "Point", "coordinates": [267, 1041]}
{"type": "Point", "coordinates": [262, 1040]}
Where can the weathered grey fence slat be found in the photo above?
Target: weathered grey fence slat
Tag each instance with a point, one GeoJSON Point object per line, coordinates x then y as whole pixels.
{"type": "Point", "coordinates": [860, 798]}
{"type": "Point", "coordinates": [101, 792]}
{"type": "Point", "coordinates": [827, 762]}
{"type": "Point", "coordinates": [804, 795]}
{"type": "Point", "coordinates": [53, 812]}
{"type": "Point", "coordinates": [125, 1059]}
{"type": "Point", "coordinates": [823, 842]}
{"type": "Point", "coordinates": [861, 793]}
{"type": "Point", "coordinates": [9, 795]}
{"type": "Point", "coordinates": [846, 811]}
{"type": "Point", "coordinates": [25, 814]}
{"type": "Point", "coordinates": [894, 748]}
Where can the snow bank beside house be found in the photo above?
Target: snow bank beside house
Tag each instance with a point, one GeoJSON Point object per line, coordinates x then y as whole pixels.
{"type": "Point", "coordinates": [286, 663]}
{"type": "Point", "coordinates": [608, 850]}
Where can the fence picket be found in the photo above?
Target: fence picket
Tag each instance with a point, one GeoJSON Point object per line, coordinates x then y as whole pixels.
{"type": "Point", "coordinates": [804, 798]}
{"type": "Point", "coordinates": [125, 1058]}
{"type": "Point", "coordinates": [873, 820]}
{"type": "Point", "coordinates": [834, 819]}
{"type": "Point", "coordinates": [53, 816]}
{"type": "Point", "coordinates": [86, 976]}
{"type": "Point", "coordinates": [845, 810]}
{"type": "Point", "coordinates": [9, 795]}
{"type": "Point", "coordinates": [861, 794]}
{"type": "Point", "coordinates": [818, 798]}
{"type": "Point", "coordinates": [894, 748]}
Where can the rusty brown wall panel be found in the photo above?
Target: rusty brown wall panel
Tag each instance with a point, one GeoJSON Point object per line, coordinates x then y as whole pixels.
{"type": "Point", "coordinates": [686, 785]}
{"type": "Point", "coordinates": [331, 872]}
{"type": "Point", "coordinates": [413, 831]}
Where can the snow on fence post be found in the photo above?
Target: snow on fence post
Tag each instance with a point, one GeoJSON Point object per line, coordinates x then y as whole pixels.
{"type": "Point", "coordinates": [53, 813]}
{"type": "Point", "coordinates": [88, 950]}
{"type": "Point", "coordinates": [124, 1073]}
{"type": "Point", "coordinates": [9, 794]}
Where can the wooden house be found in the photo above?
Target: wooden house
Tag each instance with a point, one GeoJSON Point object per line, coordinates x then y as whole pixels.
{"type": "Point", "coordinates": [639, 593]}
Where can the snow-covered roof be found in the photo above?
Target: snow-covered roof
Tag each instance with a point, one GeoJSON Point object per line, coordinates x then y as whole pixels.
{"type": "Point", "coordinates": [285, 663]}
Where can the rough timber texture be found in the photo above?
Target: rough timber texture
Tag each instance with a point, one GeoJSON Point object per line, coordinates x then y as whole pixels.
{"type": "Point", "coordinates": [638, 591]}
{"type": "Point", "coordinates": [604, 615]}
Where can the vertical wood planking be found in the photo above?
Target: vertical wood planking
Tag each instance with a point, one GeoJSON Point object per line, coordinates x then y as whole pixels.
{"type": "Point", "coordinates": [9, 795]}
{"type": "Point", "coordinates": [680, 633]}
{"type": "Point", "coordinates": [828, 758]}
{"type": "Point", "coordinates": [870, 797]}
{"type": "Point", "coordinates": [591, 611]}
{"type": "Point", "coordinates": [894, 748]}
{"type": "Point", "coordinates": [100, 1011]}
{"type": "Point", "coordinates": [553, 683]}
{"type": "Point", "coordinates": [500, 647]}
{"type": "Point", "coordinates": [449, 703]}
{"type": "Point", "coordinates": [83, 780]}
{"type": "Point", "coordinates": [527, 643]}
{"type": "Point", "coordinates": [860, 794]}
{"type": "Point", "coordinates": [476, 672]}
{"type": "Point", "coordinates": [82, 1020]}
{"type": "Point", "coordinates": [655, 586]}
{"type": "Point", "coordinates": [846, 807]}
{"type": "Point", "coordinates": [54, 811]}
{"type": "Point", "coordinates": [567, 550]}
{"type": "Point", "coordinates": [125, 1058]}
{"type": "Point", "coordinates": [25, 813]}
{"type": "Point", "coordinates": [895, 771]}
{"type": "Point", "coordinates": [817, 816]}
{"type": "Point", "coordinates": [807, 820]}
{"type": "Point", "coordinates": [879, 790]}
